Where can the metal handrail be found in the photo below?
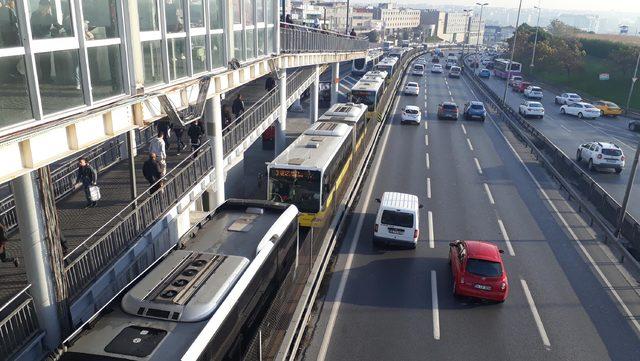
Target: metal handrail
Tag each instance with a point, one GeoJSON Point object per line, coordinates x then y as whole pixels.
{"type": "Point", "coordinates": [19, 325]}
{"type": "Point", "coordinates": [296, 38]}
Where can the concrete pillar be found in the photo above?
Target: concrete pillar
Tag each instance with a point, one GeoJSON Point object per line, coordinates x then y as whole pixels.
{"type": "Point", "coordinates": [132, 151]}
{"type": "Point", "coordinates": [134, 47]}
{"type": "Point", "coordinates": [335, 82]}
{"type": "Point", "coordinates": [281, 123]}
{"type": "Point", "coordinates": [213, 121]}
{"type": "Point", "coordinates": [37, 262]}
{"type": "Point", "coordinates": [297, 106]}
{"type": "Point", "coordinates": [314, 95]}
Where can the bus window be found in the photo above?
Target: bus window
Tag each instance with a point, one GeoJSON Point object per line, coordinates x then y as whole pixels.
{"type": "Point", "coordinates": [299, 187]}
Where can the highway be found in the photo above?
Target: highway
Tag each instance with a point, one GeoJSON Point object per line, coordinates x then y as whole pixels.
{"type": "Point", "coordinates": [567, 132]}
{"type": "Point", "coordinates": [568, 300]}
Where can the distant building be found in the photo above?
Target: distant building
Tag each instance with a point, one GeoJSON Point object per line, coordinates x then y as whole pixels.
{"type": "Point", "coordinates": [362, 20]}
{"type": "Point", "coordinates": [494, 33]}
{"type": "Point", "coordinates": [453, 27]}
{"type": "Point", "coordinates": [394, 18]}
{"type": "Point", "coordinates": [582, 22]}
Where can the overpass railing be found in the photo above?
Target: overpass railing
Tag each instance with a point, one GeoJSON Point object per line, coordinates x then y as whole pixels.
{"type": "Point", "coordinates": [18, 324]}
{"type": "Point", "coordinates": [300, 39]}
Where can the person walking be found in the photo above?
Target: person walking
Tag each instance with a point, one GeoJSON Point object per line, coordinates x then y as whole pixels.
{"type": "Point", "coordinates": [353, 32]}
{"type": "Point", "coordinates": [88, 176]}
{"type": "Point", "coordinates": [178, 129]}
{"type": "Point", "coordinates": [227, 116]}
{"type": "Point", "coordinates": [238, 106]}
{"type": "Point", "coordinates": [270, 83]}
{"type": "Point", "coordinates": [151, 171]}
{"type": "Point", "coordinates": [157, 146]}
{"type": "Point", "coordinates": [3, 249]}
{"type": "Point", "coordinates": [165, 127]}
{"type": "Point", "coordinates": [195, 133]}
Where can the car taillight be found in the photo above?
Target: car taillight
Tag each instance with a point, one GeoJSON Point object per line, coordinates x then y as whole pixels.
{"type": "Point", "coordinates": [599, 156]}
{"type": "Point", "coordinates": [416, 233]}
{"type": "Point", "coordinates": [503, 286]}
{"type": "Point", "coordinates": [375, 227]}
{"type": "Point", "coordinates": [461, 280]}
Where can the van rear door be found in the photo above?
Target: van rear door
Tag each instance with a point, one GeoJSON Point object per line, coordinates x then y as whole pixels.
{"type": "Point", "coordinates": [396, 224]}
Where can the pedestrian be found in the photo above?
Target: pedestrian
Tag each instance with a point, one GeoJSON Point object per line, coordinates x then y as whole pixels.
{"type": "Point", "coordinates": [151, 170]}
{"type": "Point", "coordinates": [3, 250]}
{"type": "Point", "coordinates": [288, 19]}
{"type": "Point", "coordinates": [270, 83]}
{"type": "Point", "coordinates": [195, 133]}
{"type": "Point", "coordinates": [353, 32]}
{"type": "Point", "coordinates": [238, 105]}
{"type": "Point", "coordinates": [88, 176]}
{"type": "Point", "coordinates": [157, 146]}
{"type": "Point", "coordinates": [178, 129]}
{"type": "Point", "coordinates": [165, 127]}
{"type": "Point", "coordinates": [227, 116]}
{"type": "Point", "coordinates": [316, 23]}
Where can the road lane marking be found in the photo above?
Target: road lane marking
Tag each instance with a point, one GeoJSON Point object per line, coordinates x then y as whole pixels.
{"type": "Point", "coordinates": [347, 267]}
{"type": "Point", "coordinates": [434, 306]}
{"type": "Point", "coordinates": [486, 189]}
{"type": "Point", "coordinates": [536, 315]}
{"type": "Point", "coordinates": [464, 130]}
{"type": "Point", "coordinates": [426, 139]}
{"type": "Point", "coordinates": [565, 128]}
{"type": "Point", "coordinates": [450, 92]}
{"type": "Point", "coordinates": [477, 165]}
{"type": "Point", "coordinates": [469, 143]}
{"type": "Point", "coordinates": [432, 241]}
{"type": "Point", "coordinates": [427, 158]}
{"type": "Point", "coordinates": [507, 241]}
{"type": "Point", "coordinates": [426, 125]}
{"type": "Point", "coordinates": [428, 187]}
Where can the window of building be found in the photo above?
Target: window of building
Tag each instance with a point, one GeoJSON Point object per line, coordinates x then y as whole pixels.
{"type": "Point", "coordinates": [106, 71]}
{"type": "Point", "coordinates": [217, 50]}
{"type": "Point", "coordinates": [174, 15]}
{"type": "Point", "coordinates": [237, 12]}
{"type": "Point", "coordinates": [248, 12]}
{"type": "Point", "coordinates": [250, 43]}
{"type": "Point", "coordinates": [51, 19]}
{"type": "Point", "coordinates": [59, 80]}
{"type": "Point", "coordinates": [15, 104]}
{"type": "Point", "coordinates": [152, 57]}
{"type": "Point", "coordinates": [196, 12]}
{"type": "Point", "coordinates": [238, 44]}
{"type": "Point", "coordinates": [177, 58]}
{"type": "Point", "coordinates": [148, 15]}
{"type": "Point", "coordinates": [198, 54]}
{"type": "Point", "coordinates": [215, 14]}
{"type": "Point", "coordinates": [101, 19]}
{"type": "Point", "coordinates": [9, 31]}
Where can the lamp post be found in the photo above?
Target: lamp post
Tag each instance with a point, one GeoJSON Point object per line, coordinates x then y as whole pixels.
{"type": "Point", "coordinates": [513, 51]}
{"type": "Point", "coordinates": [347, 30]}
{"type": "Point", "coordinates": [633, 83]}
{"type": "Point", "coordinates": [535, 40]}
{"type": "Point", "coordinates": [478, 36]}
{"type": "Point", "coordinates": [466, 31]}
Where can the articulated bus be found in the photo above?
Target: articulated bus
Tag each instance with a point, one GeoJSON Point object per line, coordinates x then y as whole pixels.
{"type": "Point", "coordinates": [368, 92]}
{"type": "Point", "coordinates": [387, 64]}
{"type": "Point", "coordinates": [376, 75]}
{"type": "Point", "coordinates": [312, 172]}
{"type": "Point", "coordinates": [351, 114]}
{"type": "Point", "coordinates": [362, 65]}
{"type": "Point", "coordinates": [502, 70]}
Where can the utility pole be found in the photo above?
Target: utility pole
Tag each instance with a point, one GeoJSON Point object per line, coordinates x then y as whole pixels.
{"type": "Point", "coordinates": [478, 36]}
{"type": "Point", "coordinates": [464, 34]}
{"type": "Point", "coordinates": [627, 193]}
{"type": "Point", "coordinates": [347, 30]}
{"type": "Point", "coordinates": [633, 83]}
{"type": "Point", "coordinates": [535, 41]}
{"type": "Point", "coordinates": [513, 51]}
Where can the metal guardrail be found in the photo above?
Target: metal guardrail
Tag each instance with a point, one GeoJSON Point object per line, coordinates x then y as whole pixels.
{"type": "Point", "coordinates": [89, 259]}
{"type": "Point", "coordinates": [299, 39]}
{"type": "Point", "coordinates": [604, 208]}
{"type": "Point", "coordinates": [18, 324]}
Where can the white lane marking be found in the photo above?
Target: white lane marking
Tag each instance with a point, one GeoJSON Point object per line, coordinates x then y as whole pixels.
{"type": "Point", "coordinates": [469, 143]}
{"type": "Point", "coordinates": [605, 133]}
{"type": "Point", "coordinates": [428, 163]}
{"type": "Point", "coordinates": [565, 128]}
{"type": "Point", "coordinates": [450, 93]}
{"type": "Point", "coordinates": [536, 315]}
{"type": "Point", "coordinates": [347, 267]}
{"type": "Point", "coordinates": [428, 187]}
{"type": "Point", "coordinates": [434, 306]}
{"type": "Point", "coordinates": [432, 240]}
{"type": "Point", "coordinates": [426, 125]}
{"type": "Point", "coordinates": [507, 241]}
{"type": "Point", "coordinates": [477, 165]}
{"type": "Point", "coordinates": [426, 139]}
{"type": "Point", "coordinates": [486, 189]}
{"type": "Point", "coordinates": [464, 130]}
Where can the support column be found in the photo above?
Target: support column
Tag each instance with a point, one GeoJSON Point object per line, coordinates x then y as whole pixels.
{"type": "Point", "coordinates": [297, 106]}
{"type": "Point", "coordinates": [281, 123]}
{"type": "Point", "coordinates": [37, 260]}
{"type": "Point", "coordinates": [314, 94]}
{"type": "Point", "coordinates": [132, 151]}
{"type": "Point", "coordinates": [213, 121]}
{"type": "Point", "coordinates": [335, 82]}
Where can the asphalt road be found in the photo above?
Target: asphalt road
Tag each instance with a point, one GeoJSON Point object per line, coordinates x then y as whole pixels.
{"type": "Point", "coordinates": [567, 132]}
{"type": "Point", "coordinates": [566, 296]}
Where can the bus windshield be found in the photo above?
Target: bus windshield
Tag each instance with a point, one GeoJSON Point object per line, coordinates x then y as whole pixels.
{"type": "Point", "coordinates": [359, 63]}
{"type": "Point", "coordinates": [299, 187]}
{"type": "Point", "coordinates": [364, 97]}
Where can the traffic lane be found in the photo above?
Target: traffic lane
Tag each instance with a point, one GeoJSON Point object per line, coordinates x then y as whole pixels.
{"type": "Point", "coordinates": [570, 295]}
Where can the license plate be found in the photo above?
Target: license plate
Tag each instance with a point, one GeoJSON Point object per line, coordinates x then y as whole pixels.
{"type": "Point", "coordinates": [483, 287]}
{"type": "Point", "coordinates": [396, 231]}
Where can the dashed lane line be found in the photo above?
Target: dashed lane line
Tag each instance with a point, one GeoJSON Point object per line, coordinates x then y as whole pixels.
{"type": "Point", "coordinates": [428, 187]}
{"type": "Point", "coordinates": [469, 144]}
{"type": "Point", "coordinates": [464, 130]}
{"type": "Point", "coordinates": [505, 236]}
{"type": "Point", "coordinates": [477, 165]}
{"type": "Point", "coordinates": [536, 315]}
{"type": "Point", "coordinates": [434, 306]}
{"type": "Point", "coordinates": [427, 161]}
{"type": "Point", "coordinates": [489, 195]}
{"type": "Point", "coordinates": [432, 240]}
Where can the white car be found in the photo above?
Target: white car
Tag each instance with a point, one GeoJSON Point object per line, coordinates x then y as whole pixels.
{"type": "Point", "coordinates": [601, 155]}
{"type": "Point", "coordinates": [531, 109]}
{"type": "Point", "coordinates": [437, 68]}
{"type": "Point", "coordinates": [411, 114]}
{"type": "Point", "coordinates": [581, 110]}
{"type": "Point", "coordinates": [533, 92]}
{"type": "Point", "coordinates": [515, 80]}
{"type": "Point", "coordinates": [568, 98]}
{"type": "Point", "coordinates": [411, 88]}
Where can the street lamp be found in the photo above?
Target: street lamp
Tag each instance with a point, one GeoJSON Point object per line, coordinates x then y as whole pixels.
{"type": "Point", "coordinates": [478, 36]}
{"type": "Point", "coordinates": [535, 41]}
{"type": "Point", "coordinates": [513, 51]}
{"type": "Point", "coordinates": [633, 83]}
{"type": "Point", "coordinates": [466, 31]}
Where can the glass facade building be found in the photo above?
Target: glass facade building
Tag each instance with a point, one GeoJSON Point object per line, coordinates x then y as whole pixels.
{"type": "Point", "coordinates": [58, 57]}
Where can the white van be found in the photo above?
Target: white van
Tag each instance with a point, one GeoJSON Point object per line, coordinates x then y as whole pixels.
{"type": "Point", "coordinates": [397, 220]}
{"type": "Point", "coordinates": [418, 69]}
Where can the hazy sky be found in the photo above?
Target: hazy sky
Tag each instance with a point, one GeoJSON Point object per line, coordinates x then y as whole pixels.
{"type": "Point", "coordinates": [586, 5]}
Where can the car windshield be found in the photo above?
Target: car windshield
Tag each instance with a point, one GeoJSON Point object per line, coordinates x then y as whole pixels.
{"type": "Point", "coordinates": [412, 85]}
{"type": "Point", "coordinates": [395, 218]}
{"type": "Point", "coordinates": [535, 89]}
{"type": "Point", "coordinates": [613, 152]}
{"type": "Point", "coordinates": [589, 106]}
{"type": "Point", "coordinates": [477, 106]}
{"type": "Point", "coordinates": [411, 111]}
{"type": "Point", "coordinates": [576, 96]}
{"type": "Point", "coordinates": [535, 105]}
{"type": "Point", "coordinates": [483, 268]}
{"type": "Point", "coordinates": [449, 107]}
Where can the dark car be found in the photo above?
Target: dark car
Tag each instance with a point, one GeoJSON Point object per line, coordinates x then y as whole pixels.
{"type": "Point", "coordinates": [634, 125]}
{"type": "Point", "coordinates": [474, 110]}
{"type": "Point", "coordinates": [435, 60]}
{"type": "Point", "coordinates": [448, 110]}
{"type": "Point", "coordinates": [490, 65]}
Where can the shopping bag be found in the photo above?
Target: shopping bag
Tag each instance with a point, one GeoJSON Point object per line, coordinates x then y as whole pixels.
{"type": "Point", "coordinates": [94, 192]}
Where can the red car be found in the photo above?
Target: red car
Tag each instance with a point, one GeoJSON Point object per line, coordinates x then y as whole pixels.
{"type": "Point", "coordinates": [521, 87]}
{"type": "Point", "coordinates": [478, 270]}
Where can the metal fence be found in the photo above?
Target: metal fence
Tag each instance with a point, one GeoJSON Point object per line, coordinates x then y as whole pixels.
{"type": "Point", "coordinates": [299, 39]}
{"type": "Point", "coordinates": [18, 324]}
{"type": "Point", "coordinates": [603, 202]}
{"type": "Point", "coordinates": [97, 252]}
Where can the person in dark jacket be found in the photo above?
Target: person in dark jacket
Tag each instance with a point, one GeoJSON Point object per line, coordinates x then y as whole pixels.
{"type": "Point", "coordinates": [88, 177]}
{"type": "Point", "coordinates": [195, 133]}
{"type": "Point", "coordinates": [178, 129]}
{"type": "Point", "coordinates": [227, 116]}
{"type": "Point", "coordinates": [3, 251]}
{"type": "Point", "coordinates": [238, 105]}
{"type": "Point", "coordinates": [152, 172]}
{"type": "Point", "coordinates": [353, 33]}
{"type": "Point", "coordinates": [270, 83]}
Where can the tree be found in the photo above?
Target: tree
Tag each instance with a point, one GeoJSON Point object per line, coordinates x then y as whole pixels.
{"type": "Point", "coordinates": [623, 58]}
{"type": "Point", "coordinates": [568, 54]}
{"type": "Point", "coordinates": [374, 36]}
{"type": "Point", "coordinates": [558, 28]}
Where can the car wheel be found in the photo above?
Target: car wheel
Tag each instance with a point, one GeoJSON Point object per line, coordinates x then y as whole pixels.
{"type": "Point", "coordinates": [579, 156]}
{"type": "Point", "coordinates": [618, 170]}
{"type": "Point", "coordinates": [580, 115]}
{"type": "Point", "coordinates": [632, 127]}
{"type": "Point", "coordinates": [591, 166]}
{"type": "Point", "coordinates": [562, 111]}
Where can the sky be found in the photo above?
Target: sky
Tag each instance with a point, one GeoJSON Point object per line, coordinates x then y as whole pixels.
{"type": "Point", "coordinates": [584, 5]}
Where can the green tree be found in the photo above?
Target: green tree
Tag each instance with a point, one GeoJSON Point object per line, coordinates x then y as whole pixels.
{"type": "Point", "coordinates": [374, 36]}
{"type": "Point", "coordinates": [558, 28]}
{"type": "Point", "coordinates": [623, 58]}
{"type": "Point", "coordinates": [567, 54]}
